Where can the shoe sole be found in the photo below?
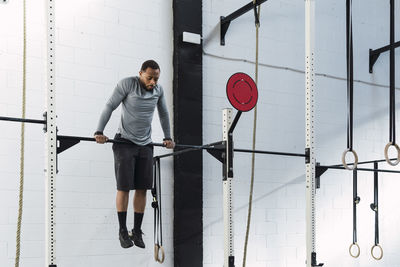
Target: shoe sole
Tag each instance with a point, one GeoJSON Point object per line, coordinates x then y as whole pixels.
{"type": "Point", "coordinates": [131, 236]}
{"type": "Point", "coordinates": [127, 246]}
{"type": "Point", "coordinates": [140, 246]}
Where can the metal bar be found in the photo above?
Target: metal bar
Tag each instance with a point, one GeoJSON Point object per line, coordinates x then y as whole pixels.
{"type": "Point", "coordinates": [359, 169]}
{"type": "Point", "coordinates": [363, 162]}
{"type": "Point", "coordinates": [90, 139]}
{"type": "Point", "coordinates": [189, 149]}
{"type": "Point", "coordinates": [269, 152]}
{"type": "Point", "coordinates": [210, 146]}
{"type": "Point", "coordinates": [383, 49]}
{"type": "Point", "coordinates": [243, 10]}
{"type": "Point", "coordinates": [235, 121]}
{"type": "Point", "coordinates": [176, 153]}
{"type": "Point", "coordinates": [226, 21]}
{"type": "Point", "coordinates": [22, 120]}
{"type": "Point", "coordinates": [374, 54]}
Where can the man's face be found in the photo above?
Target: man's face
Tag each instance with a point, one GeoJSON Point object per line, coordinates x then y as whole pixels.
{"type": "Point", "coordinates": [149, 78]}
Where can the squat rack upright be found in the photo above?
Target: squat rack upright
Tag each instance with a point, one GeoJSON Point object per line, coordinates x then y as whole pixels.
{"type": "Point", "coordinates": [311, 256]}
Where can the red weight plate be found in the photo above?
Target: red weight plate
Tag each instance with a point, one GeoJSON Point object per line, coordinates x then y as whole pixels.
{"type": "Point", "coordinates": [242, 91]}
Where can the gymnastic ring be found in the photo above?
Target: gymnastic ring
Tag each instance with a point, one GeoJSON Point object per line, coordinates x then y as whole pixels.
{"type": "Point", "coordinates": [358, 250]}
{"type": "Point", "coordinates": [344, 159]}
{"type": "Point", "coordinates": [372, 252]}
{"type": "Point", "coordinates": [387, 156]}
{"type": "Point", "coordinates": [157, 249]}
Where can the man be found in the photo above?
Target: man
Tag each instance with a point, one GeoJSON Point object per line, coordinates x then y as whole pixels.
{"type": "Point", "coordinates": [133, 158]}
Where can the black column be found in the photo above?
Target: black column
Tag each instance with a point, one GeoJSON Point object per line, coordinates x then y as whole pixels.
{"type": "Point", "coordinates": [188, 128]}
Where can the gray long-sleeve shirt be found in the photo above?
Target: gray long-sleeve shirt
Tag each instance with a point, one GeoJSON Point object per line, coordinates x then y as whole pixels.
{"type": "Point", "coordinates": [138, 105]}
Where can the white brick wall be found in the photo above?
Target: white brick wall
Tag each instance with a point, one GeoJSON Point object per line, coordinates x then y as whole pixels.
{"type": "Point", "coordinates": [98, 43]}
{"type": "Point", "coordinates": [277, 233]}
{"type": "Point", "coordinates": [101, 41]}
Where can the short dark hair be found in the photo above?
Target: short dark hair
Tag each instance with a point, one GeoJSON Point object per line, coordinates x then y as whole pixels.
{"type": "Point", "coordinates": [150, 64]}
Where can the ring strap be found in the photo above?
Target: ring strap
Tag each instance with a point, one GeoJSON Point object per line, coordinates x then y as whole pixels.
{"type": "Point", "coordinates": [350, 80]}
{"type": "Point", "coordinates": [356, 200]}
{"type": "Point", "coordinates": [374, 207]}
{"type": "Point", "coordinates": [156, 192]}
{"type": "Point", "coordinates": [392, 99]}
{"type": "Point", "coordinates": [376, 203]}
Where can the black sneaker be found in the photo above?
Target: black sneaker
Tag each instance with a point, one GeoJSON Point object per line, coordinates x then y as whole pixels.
{"type": "Point", "coordinates": [124, 239]}
{"type": "Point", "coordinates": [137, 238]}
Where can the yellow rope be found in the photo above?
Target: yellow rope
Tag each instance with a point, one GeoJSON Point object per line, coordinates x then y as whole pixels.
{"type": "Point", "coordinates": [21, 181]}
{"type": "Point", "coordinates": [254, 144]}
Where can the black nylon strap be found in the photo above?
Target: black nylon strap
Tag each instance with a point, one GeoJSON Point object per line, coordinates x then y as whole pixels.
{"type": "Point", "coordinates": [376, 204]}
{"type": "Point", "coordinates": [154, 204]}
{"type": "Point", "coordinates": [356, 200]}
{"type": "Point", "coordinates": [159, 203]}
{"type": "Point", "coordinates": [392, 105]}
{"type": "Point", "coordinates": [156, 192]}
{"type": "Point", "coordinates": [350, 79]}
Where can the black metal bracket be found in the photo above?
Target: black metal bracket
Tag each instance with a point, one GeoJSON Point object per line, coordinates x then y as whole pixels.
{"type": "Point", "coordinates": [319, 170]}
{"type": "Point", "coordinates": [45, 122]}
{"type": "Point", "coordinates": [224, 28]}
{"type": "Point", "coordinates": [218, 151]}
{"type": "Point", "coordinates": [314, 260]}
{"type": "Point", "coordinates": [231, 261]}
{"type": "Point", "coordinates": [374, 54]}
{"type": "Point", "coordinates": [64, 143]}
{"type": "Point", "coordinates": [318, 173]}
{"type": "Point", "coordinates": [307, 152]}
{"type": "Point", "coordinates": [226, 21]}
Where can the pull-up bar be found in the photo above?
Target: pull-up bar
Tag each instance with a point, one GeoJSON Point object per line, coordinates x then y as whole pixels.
{"type": "Point", "coordinates": [226, 21]}
{"type": "Point", "coordinates": [22, 120]}
{"type": "Point", "coordinates": [66, 141]}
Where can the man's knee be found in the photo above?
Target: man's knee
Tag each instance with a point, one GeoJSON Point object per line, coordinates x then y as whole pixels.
{"type": "Point", "coordinates": [141, 192]}
{"type": "Point", "coordinates": [123, 192]}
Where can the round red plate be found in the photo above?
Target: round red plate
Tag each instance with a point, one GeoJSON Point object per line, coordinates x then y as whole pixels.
{"type": "Point", "coordinates": [242, 91]}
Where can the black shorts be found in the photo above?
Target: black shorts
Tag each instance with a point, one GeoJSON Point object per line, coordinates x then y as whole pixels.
{"type": "Point", "coordinates": [133, 165]}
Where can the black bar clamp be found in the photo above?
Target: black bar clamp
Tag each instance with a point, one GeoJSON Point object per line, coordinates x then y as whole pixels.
{"type": "Point", "coordinates": [314, 260]}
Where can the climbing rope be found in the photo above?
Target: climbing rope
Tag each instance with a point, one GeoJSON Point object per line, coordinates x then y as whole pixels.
{"type": "Point", "coordinates": [21, 171]}
{"type": "Point", "coordinates": [257, 23]}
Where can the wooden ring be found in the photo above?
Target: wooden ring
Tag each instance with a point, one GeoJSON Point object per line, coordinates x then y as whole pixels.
{"type": "Point", "coordinates": [393, 163]}
{"type": "Point", "coordinates": [157, 249]}
{"type": "Point", "coordinates": [344, 159]}
{"type": "Point", "coordinates": [358, 250]}
{"type": "Point", "coordinates": [372, 252]}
